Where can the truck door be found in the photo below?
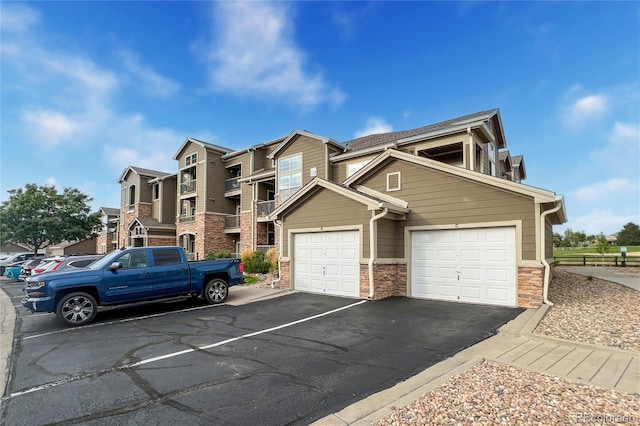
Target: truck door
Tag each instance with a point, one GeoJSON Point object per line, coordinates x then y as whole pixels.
{"type": "Point", "coordinates": [169, 272]}
{"type": "Point", "coordinates": [132, 281]}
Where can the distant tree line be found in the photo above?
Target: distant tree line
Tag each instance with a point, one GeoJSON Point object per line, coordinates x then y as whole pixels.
{"type": "Point", "coordinates": [629, 235]}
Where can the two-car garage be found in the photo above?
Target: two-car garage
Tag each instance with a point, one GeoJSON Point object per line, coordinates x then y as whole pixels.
{"type": "Point", "coordinates": [476, 265]}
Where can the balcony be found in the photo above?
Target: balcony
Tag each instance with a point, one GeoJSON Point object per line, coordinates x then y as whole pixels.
{"type": "Point", "coordinates": [265, 208]}
{"type": "Point", "coordinates": [231, 185]}
{"type": "Point", "coordinates": [232, 224]}
{"type": "Point", "coordinates": [186, 219]}
{"type": "Point", "coordinates": [187, 187]}
{"type": "Point", "coordinates": [264, 248]}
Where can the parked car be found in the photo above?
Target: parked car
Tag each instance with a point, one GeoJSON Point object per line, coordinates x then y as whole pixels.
{"type": "Point", "coordinates": [127, 276]}
{"type": "Point", "coordinates": [13, 271]}
{"type": "Point", "coordinates": [27, 266]}
{"type": "Point", "coordinates": [46, 264]}
{"type": "Point", "coordinates": [13, 259]}
{"type": "Point", "coordinates": [77, 262]}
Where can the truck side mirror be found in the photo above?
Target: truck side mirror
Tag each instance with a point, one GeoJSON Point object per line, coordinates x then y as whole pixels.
{"type": "Point", "coordinates": [115, 265]}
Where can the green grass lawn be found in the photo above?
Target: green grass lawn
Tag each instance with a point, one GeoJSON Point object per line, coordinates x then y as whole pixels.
{"type": "Point", "coordinates": [251, 279]}
{"type": "Point", "coordinates": [613, 251]}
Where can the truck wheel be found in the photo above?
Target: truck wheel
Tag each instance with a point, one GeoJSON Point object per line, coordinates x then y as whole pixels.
{"type": "Point", "coordinates": [76, 309]}
{"type": "Point", "coordinates": [216, 291]}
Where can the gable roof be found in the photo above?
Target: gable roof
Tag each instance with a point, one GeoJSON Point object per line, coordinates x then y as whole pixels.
{"type": "Point", "coordinates": [432, 130]}
{"type": "Point", "coordinates": [148, 222]}
{"type": "Point", "coordinates": [539, 195]}
{"type": "Point", "coordinates": [368, 199]}
{"type": "Point", "coordinates": [518, 162]}
{"type": "Point", "coordinates": [293, 135]}
{"type": "Point", "coordinates": [142, 172]}
{"type": "Point", "coordinates": [110, 211]}
{"type": "Point", "coordinates": [222, 150]}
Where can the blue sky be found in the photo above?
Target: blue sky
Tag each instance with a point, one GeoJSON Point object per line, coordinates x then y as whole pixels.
{"type": "Point", "coordinates": [89, 88]}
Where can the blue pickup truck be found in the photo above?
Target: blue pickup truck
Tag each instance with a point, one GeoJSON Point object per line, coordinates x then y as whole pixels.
{"type": "Point", "coordinates": [126, 276]}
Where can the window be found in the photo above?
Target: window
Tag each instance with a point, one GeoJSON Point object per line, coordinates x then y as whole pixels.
{"type": "Point", "coordinates": [354, 167]}
{"type": "Point", "coordinates": [132, 195]}
{"type": "Point", "coordinates": [134, 259]}
{"type": "Point", "coordinates": [271, 234]}
{"type": "Point", "coordinates": [393, 181]}
{"type": "Point", "coordinates": [289, 176]}
{"type": "Point", "coordinates": [156, 191]}
{"type": "Point", "coordinates": [164, 257]}
{"type": "Point", "coordinates": [191, 159]}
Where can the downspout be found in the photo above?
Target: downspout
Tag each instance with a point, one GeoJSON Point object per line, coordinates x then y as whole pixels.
{"type": "Point", "coordinates": [278, 223]}
{"type": "Point", "coordinates": [543, 254]}
{"type": "Point", "coordinates": [372, 248]}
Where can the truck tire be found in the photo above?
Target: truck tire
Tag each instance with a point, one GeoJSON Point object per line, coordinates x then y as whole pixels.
{"type": "Point", "coordinates": [75, 309]}
{"type": "Point", "coordinates": [216, 291]}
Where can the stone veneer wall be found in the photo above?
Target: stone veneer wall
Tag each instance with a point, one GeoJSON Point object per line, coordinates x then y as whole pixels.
{"type": "Point", "coordinates": [246, 223]}
{"type": "Point", "coordinates": [530, 286]}
{"type": "Point", "coordinates": [102, 240]}
{"type": "Point", "coordinates": [139, 210]}
{"type": "Point", "coordinates": [390, 279]}
{"type": "Point", "coordinates": [285, 275]}
{"type": "Point", "coordinates": [208, 229]}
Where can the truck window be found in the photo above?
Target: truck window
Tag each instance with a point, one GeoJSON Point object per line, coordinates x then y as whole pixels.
{"type": "Point", "coordinates": [167, 256]}
{"type": "Point", "coordinates": [136, 259]}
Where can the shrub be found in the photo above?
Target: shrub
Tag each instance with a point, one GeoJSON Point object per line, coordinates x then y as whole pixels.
{"type": "Point", "coordinates": [223, 254]}
{"type": "Point", "coordinates": [210, 255]}
{"type": "Point", "coordinates": [272, 258]}
{"type": "Point", "coordinates": [256, 263]}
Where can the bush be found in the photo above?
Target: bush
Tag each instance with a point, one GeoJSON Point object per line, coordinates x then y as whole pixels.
{"type": "Point", "coordinates": [256, 263]}
{"type": "Point", "coordinates": [221, 254]}
{"type": "Point", "coordinates": [272, 258]}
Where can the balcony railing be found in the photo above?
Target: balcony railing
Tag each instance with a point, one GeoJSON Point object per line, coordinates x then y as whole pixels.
{"type": "Point", "coordinates": [231, 184]}
{"type": "Point", "coordinates": [232, 222]}
{"type": "Point", "coordinates": [264, 248]}
{"type": "Point", "coordinates": [187, 187]}
{"type": "Point", "coordinates": [265, 208]}
{"type": "Point", "coordinates": [186, 219]}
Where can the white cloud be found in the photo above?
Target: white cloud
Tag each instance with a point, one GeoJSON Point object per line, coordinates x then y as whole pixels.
{"type": "Point", "coordinates": [18, 17]}
{"type": "Point", "coordinates": [600, 192]}
{"type": "Point", "coordinates": [374, 126]}
{"type": "Point", "coordinates": [50, 128]}
{"type": "Point", "coordinates": [595, 221]}
{"type": "Point", "coordinates": [254, 53]}
{"type": "Point", "coordinates": [625, 134]}
{"type": "Point", "coordinates": [51, 181]}
{"type": "Point", "coordinates": [152, 83]}
{"type": "Point", "coordinates": [585, 109]}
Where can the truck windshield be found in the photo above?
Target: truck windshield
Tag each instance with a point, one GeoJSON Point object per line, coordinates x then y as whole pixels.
{"type": "Point", "coordinates": [105, 261]}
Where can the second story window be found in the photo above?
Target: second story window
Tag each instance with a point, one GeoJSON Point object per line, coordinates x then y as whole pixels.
{"type": "Point", "coordinates": [156, 191]}
{"type": "Point", "coordinates": [191, 159]}
{"type": "Point", "coordinates": [132, 195]}
{"type": "Point", "coordinates": [289, 176]}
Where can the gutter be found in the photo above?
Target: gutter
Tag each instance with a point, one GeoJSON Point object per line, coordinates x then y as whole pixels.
{"type": "Point", "coordinates": [547, 268]}
{"type": "Point", "coordinates": [372, 249]}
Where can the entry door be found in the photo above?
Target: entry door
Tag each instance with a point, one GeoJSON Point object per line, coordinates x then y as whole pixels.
{"type": "Point", "coordinates": [327, 263]}
{"type": "Point", "coordinates": [466, 265]}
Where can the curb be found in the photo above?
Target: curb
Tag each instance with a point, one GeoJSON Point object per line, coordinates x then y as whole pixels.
{"type": "Point", "coordinates": [7, 324]}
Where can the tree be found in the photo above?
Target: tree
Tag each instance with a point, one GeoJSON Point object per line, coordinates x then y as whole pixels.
{"type": "Point", "coordinates": [629, 235]}
{"type": "Point", "coordinates": [573, 239]}
{"type": "Point", "coordinates": [557, 240]}
{"type": "Point", "coordinates": [602, 245]}
{"type": "Point", "coordinates": [40, 216]}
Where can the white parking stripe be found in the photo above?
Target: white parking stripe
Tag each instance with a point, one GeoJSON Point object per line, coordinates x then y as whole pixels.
{"type": "Point", "coordinates": [175, 354]}
{"type": "Point", "coordinates": [65, 330]}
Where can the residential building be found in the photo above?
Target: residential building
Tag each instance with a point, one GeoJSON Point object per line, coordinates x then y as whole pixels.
{"type": "Point", "coordinates": [107, 239]}
{"type": "Point", "coordinates": [433, 212]}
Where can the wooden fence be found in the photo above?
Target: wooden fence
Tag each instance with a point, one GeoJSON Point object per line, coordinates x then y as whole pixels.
{"type": "Point", "coordinates": [596, 260]}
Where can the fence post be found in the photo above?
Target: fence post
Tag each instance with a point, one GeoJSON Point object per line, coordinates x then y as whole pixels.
{"type": "Point", "coordinates": [584, 260]}
{"type": "Point", "coordinates": [616, 259]}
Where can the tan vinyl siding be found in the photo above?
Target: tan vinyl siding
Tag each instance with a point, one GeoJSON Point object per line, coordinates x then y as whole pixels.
{"type": "Point", "coordinates": [390, 239]}
{"type": "Point", "coordinates": [548, 239]}
{"type": "Point", "coordinates": [339, 172]}
{"type": "Point", "coordinates": [215, 176]}
{"type": "Point", "coordinates": [313, 155]}
{"type": "Point", "coordinates": [155, 210]}
{"type": "Point", "coordinates": [145, 191]}
{"type": "Point", "coordinates": [327, 209]}
{"type": "Point", "coordinates": [437, 198]}
{"type": "Point", "coordinates": [259, 159]}
{"type": "Point", "coordinates": [168, 196]}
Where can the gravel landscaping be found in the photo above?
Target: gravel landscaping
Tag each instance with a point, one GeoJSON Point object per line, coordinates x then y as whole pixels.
{"type": "Point", "coordinates": [587, 310]}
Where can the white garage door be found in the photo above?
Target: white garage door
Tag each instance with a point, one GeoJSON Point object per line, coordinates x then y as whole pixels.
{"type": "Point", "coordinates": [466, 265]}
{"type": "Point", "coordinates": [327, 262]}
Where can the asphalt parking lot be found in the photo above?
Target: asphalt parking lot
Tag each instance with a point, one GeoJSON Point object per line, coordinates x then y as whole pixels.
{"type": "Point", "coordinates": [288, 360]}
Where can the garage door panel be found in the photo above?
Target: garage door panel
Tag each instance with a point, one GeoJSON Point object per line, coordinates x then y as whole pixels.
{"type": "Point", "coordinates": [327, 262]}
{"type": "Point", "coordinates": [472, 265]}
